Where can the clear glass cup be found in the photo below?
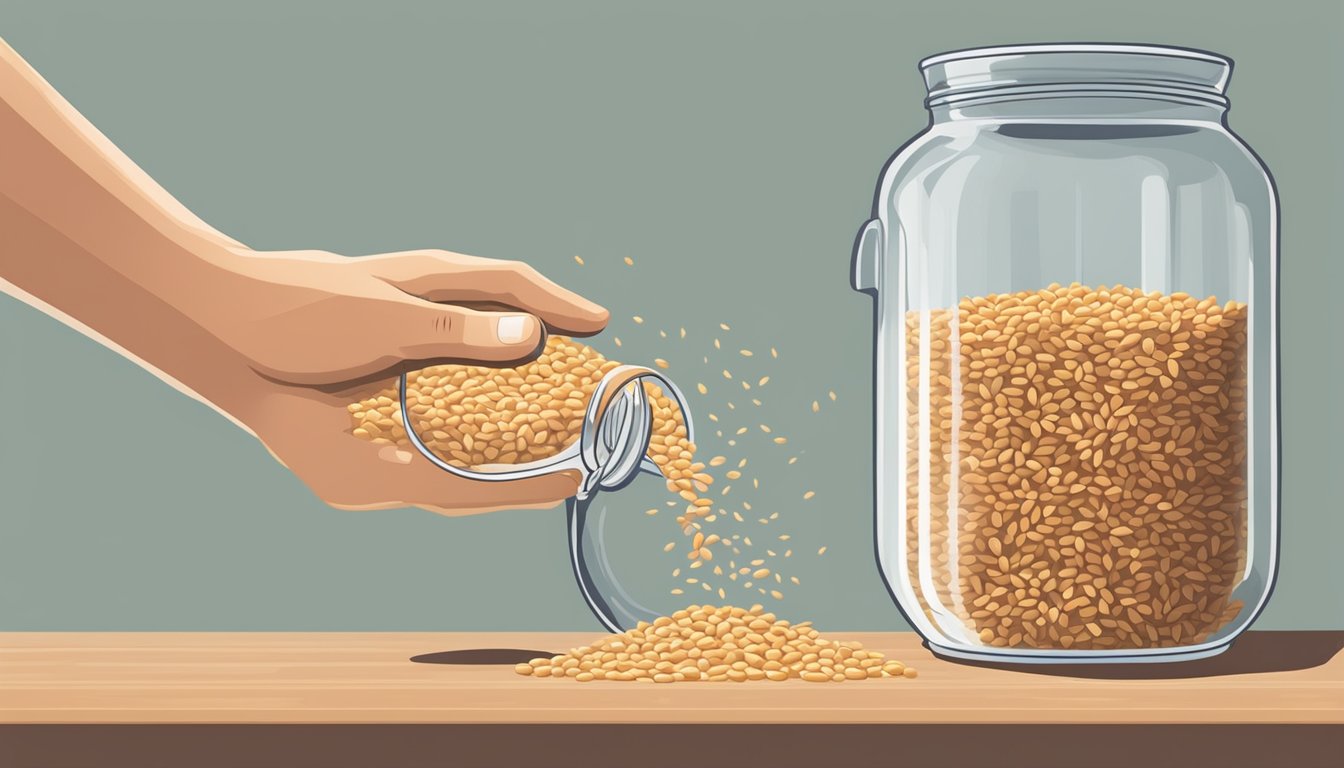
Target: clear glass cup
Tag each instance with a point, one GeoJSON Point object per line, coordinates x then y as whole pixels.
{"type": "Point", "coordinates": [1075, 276]}
{"type": "Point", "coordinates": [619, 555]}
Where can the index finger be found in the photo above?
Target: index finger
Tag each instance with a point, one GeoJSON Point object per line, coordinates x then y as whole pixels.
{"type": "Point", "coordinates": [510, 283]}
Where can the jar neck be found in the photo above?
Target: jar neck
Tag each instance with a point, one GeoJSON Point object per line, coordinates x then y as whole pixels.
{"type": "Point", "coordinates": [1080, 106]}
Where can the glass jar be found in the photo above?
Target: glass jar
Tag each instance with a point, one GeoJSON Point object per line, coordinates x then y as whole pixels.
{"type": "Point", "coordinates": [1075, 274]}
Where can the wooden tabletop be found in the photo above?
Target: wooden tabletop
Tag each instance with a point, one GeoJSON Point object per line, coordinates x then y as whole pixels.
{"type": "Point", "coordinates": [53, 682]}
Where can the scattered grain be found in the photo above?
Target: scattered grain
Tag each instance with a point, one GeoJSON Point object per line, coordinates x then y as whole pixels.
{"type": "Point", "coordinates": [718, 644]}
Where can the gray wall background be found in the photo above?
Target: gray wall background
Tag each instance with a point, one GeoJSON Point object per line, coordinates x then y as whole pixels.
{"type": "Point", "coordinates": [731, 149]}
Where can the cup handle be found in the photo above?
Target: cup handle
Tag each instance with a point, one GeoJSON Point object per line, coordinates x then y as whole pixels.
{"type": "Point", "coordinates": [594, 578]}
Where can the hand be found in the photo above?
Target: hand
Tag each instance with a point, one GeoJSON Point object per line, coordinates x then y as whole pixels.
{"type": "Point", "coordinates": [279, 342]}
{"type": "Point", "coordinates": [317, 332]}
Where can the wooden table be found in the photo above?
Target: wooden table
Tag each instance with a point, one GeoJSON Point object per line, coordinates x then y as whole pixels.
{"type": "Point", "coordinates": [331, 699]}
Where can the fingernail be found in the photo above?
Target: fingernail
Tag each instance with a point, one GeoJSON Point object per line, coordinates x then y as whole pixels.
{"type": "Point", "coordinates": [514, 328]}
{"type": "Point", "coordinates": [395, 455]}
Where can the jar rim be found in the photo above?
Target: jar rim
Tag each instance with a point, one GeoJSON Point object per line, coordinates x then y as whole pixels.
{"type": "Point", "coordinates": [1166, 51]}
{"type": "Point", "coordinates": [974, 73]}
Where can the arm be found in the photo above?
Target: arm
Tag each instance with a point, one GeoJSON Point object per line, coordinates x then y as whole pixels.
{"type": "Point", "coordinates": [93, 241]}
{"type": "Point", "coordinates": [275, 341]}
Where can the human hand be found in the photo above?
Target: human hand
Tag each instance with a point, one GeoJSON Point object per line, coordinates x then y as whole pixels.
{"type": "Point", "coordinates": [316, 331]}
{"type": "Point", "coordinates": [279, 342]}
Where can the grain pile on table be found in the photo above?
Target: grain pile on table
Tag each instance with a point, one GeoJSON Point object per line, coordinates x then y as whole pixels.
{"type": "Point", "coordinates": [718, 644]}
{"type": "Point", "coordinates": [1094, 451]}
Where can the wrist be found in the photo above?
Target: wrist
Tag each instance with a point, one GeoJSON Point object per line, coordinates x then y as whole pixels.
{"type": "Point", "coordinates": [208, 289]}
{"type": "Point", "coordinates": [166, 313]}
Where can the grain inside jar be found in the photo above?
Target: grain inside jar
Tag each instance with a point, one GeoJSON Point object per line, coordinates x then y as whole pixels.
{"type": "Point", "coordinates": [1092, 444]}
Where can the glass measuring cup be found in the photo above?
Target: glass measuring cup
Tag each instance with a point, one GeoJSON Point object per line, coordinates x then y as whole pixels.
{"type": "Point", "coordinates": [610, 452]}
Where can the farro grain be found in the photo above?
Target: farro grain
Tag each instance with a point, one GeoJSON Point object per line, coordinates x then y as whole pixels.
{"type": "Point", "coordinates": [1101, 482]}
{"type": "Point", "coordinates": [718, 644]}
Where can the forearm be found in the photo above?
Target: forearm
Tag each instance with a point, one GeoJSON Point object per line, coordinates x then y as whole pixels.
{"type": "Point", "coordinates": [90, 238]}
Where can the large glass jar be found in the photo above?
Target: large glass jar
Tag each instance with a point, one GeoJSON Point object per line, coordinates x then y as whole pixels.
{"type": "Point", "coordinates": [1074, 268]}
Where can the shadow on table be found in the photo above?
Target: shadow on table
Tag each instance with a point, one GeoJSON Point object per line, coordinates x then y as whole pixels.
{"type": "Point", "coordinates": [1252, 653]}
{"type": "Point", "coordinates": [481, 656]}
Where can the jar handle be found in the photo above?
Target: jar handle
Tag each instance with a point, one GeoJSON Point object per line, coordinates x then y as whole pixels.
{"type": "Point", "coordinates": [868, 257]}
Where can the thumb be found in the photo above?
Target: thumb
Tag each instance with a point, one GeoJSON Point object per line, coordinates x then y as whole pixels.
{"type": "Point", "coordinates": [436, 331]}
